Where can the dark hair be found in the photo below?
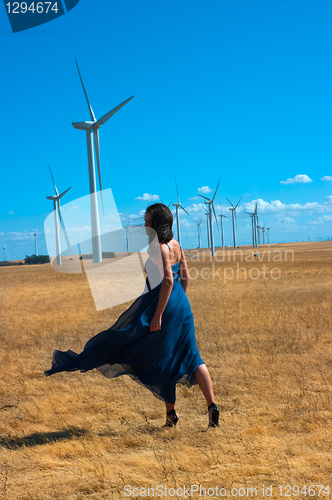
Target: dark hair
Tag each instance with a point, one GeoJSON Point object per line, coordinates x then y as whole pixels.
{"type": "Point", "coordinates": [161, 221]}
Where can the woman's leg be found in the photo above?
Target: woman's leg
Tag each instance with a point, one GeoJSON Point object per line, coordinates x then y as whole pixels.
{"type": "Point", "coordinates": [203, 379]}
{"type": "Point", "coordinates": [169, 406]}
{"type": "Point", "coordinates": [171, 415]}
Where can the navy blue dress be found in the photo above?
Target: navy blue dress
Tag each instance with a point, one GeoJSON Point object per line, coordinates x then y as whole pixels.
{"type": "Point", "coordinates": [158, 360]}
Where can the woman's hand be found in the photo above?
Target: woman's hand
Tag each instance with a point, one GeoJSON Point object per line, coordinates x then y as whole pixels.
{"type": "Point", "coordinates": [155, 324]}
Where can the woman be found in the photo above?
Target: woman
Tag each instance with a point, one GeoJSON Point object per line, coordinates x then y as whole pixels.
{"type": "Point", "coordinates": [154, 340]}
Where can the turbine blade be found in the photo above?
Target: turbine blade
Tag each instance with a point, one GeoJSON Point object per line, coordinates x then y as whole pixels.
{"type": "Point", "coordinates": [238, 202]}
{"type": "Point", "coordinates": [184, 210]}
{"type": "Point", "coordinates": [177, 191]}
{"type": "Point", "coordinates": [56, 191]}
{"type": "Point", "coordinates": [93, 118]}
{"type": "Point", "coordinates": [216, 190]}
{"type": "Point", "coordinates": [62, 194]}
{"type": "Point", "coordinates": [96, 138]}
{"type": "Point", "coordinates": [108, 115]}
{"type": "Point", "coordinates": [204, 197]}
{"type": "Point", "coordinates": [230, 203]}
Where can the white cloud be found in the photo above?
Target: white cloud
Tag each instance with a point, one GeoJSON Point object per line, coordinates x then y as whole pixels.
{"type": "Point", "coordinates": [11, 212]}
{"type": "Point", "coordinates": [278, 206]}
{"type": "Point", "coordinates": [300, 178]}
{"type": "Point", "coordinates": [74, 207]}
{"type": "Point", "coordinates": [184, 223]}
{"type": "Point", "coordinates": [204, 190]}
{"type": "Point", "coordinates": [325, 219]}
{"type": "Point", "coordinates": [285, 221]}
{"type": "Point", "coordinates": [19, 235]}
{"type": "Point", "coordinates": [196, 208]}
{"type": "Point", "coordinates": [148, 197]}
{"type": "Point", "coordinates": [326, 178]}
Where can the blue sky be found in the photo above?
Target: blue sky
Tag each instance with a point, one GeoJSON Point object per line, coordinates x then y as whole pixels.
{"type": "Point", "coordinates": [238, 90]}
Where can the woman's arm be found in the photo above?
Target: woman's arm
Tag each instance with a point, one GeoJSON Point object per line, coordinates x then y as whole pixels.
{"type": "Point", "coordinates": [183, 272]}
{"type": "Point", "coordinates": [165, 289]}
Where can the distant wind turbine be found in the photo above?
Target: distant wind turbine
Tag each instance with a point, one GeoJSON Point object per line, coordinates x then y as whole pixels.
{"type": "Point", "coordinates": [91, 128]}
{"type": "Point", "coordinates": [268, 235]}
{"type": "Point", "coordinates": [198, 224]}
{"type": "Point", "coordinates": [127, 231]}
{"type": "Point", "coordinates": [263, 231]}
{"type": "Point", "coordinates": [210, 204]}
{"type": "Point", "coordinates": [56, 201]}
{"type": "Point", "coordinates": [161, 201]}
{"type": "Point", "coordinates": [222, 228]}
{"type": "Point", "coordinates": [36, 250]}
{"type": "Point", "coordinates": [177, 206]}
{"type": "Point", "coordinates": [253, 227]}
{"type": "Point", "coordinates": [207, 226]}
{"type": "Point", "coordinates": [4, 251]}
{"type": "Point", "coordinates": [233, 218]}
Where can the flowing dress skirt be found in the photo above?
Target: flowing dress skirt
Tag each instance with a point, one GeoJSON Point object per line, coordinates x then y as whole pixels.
{"type": "Point", "coordinates": [157, 360]}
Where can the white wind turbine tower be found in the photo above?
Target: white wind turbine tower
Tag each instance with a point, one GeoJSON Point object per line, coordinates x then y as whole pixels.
{"type": "Point", "coordinates": [222, 228]}
{"type": "Point", "coordinates": [258, 227]}
{"type": "Point", "coordinates": [4, 251]}
{"type": "Point", "coordinates": [207, 226]}
{"type": "Point", "coordinates": [177, 206]}
{"type": "Point", "coordinates": [127, 233]}
{"type": "Point", "coordinates": [253, 228]}
{"type": "Point", "coordinates": [210, 203]}
{"type": "Point", "coordinates": [56, 201]}
{"type": "Point", "coordinates": [268, 235]}
{"type": "Point", "coordinates": [198, 224]}
{"type": "Point", "coordinates": [91, 128]}
{"type": "Point", "coordinates": [233, 219]}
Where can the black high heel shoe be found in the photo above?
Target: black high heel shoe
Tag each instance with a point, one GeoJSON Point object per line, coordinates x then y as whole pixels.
{"type": "Point", "coordinates": [171, 422]}
{"type": "Point", "coordinates": [214, 421]}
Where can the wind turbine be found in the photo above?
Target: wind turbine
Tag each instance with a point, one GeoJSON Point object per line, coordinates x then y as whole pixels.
{"type": "Point", "coordinates": [268, 235]}
{"type": "Point", "coordinates": [258, 232]}
{"type": "Point", "coordinates": [56, 201]}
{"type": "Point", "coordinates": [263, 231]}
{"type": "Point", "coordinates": [91, 128]}
{"type": "Point", "coordinates": [161, 201]}
{"type": "Point", "coordinates": [207, 226]}
{"type": "Point", "coordinates": [233, 218]}
{"type": "Point", "coordinates": [4, 251]}
{"type": "Point", "coordinates": [198, 224]}
{"type": "Point", "coordinates": [210, 203]}
{"type": "Point", "coordinates": [222, 228]}
{"type": "Point", "coordinates": [253, 228]}
{"type": "Point", "coordinates": [177, 206]}
{"type": "Point", "coordinates": [35, 235]}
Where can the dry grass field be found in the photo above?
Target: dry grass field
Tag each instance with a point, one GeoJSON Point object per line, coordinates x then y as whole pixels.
{"type": "Point", "coordinates": [267, 343]}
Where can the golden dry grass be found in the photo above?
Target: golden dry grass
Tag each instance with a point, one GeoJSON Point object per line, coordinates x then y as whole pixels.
{"type": "Point", "coordinates": [266, 342]}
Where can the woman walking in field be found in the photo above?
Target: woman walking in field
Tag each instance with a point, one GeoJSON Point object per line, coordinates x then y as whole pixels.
{"type": "Point", "coordinates": [154, 340]}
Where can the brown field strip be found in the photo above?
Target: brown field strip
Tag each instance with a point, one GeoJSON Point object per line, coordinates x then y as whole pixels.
{"type": "Point", "coordinates": [266, 341]}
